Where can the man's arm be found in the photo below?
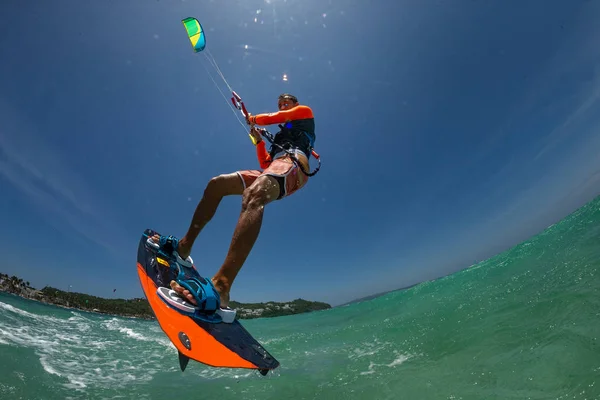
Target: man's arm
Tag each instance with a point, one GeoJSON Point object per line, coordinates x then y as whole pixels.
{"type": "Point", "coordinates": [264, 159]}
{"type": "Point", "coordinates": [298, 112]}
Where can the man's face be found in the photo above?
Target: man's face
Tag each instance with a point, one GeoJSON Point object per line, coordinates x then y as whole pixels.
{"type": "Point", "coordinates": [285, 104]}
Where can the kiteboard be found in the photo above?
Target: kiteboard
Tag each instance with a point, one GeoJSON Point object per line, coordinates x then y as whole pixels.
{"type": "Point", "coordinates": [216, 344]}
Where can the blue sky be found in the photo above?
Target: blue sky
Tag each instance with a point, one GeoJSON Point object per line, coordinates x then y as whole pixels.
{"type": "Point", "coordinates": [449, 131]}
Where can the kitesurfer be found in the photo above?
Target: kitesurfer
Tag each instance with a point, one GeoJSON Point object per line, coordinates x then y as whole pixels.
{"type": "Point", "coordinates": [284, 171]}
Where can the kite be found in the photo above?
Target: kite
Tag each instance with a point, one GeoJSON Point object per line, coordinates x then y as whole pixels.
{"type": "Point", "coordinates": [195, 33]}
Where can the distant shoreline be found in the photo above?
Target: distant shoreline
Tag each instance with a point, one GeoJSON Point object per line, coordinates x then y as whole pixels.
{"type": "Point", "coordinates": [139, 307]}
{"type": "Point", "coordinates": [64, 307]}
{"type": "Point", "coordinates": [29, 293]}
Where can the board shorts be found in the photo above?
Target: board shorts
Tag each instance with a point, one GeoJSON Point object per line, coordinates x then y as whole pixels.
{"type": "Point", "coordinates": [285, 170]}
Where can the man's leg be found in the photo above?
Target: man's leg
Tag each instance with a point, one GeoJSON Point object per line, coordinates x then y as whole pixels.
{"type": "Point", "coordinates": [216, 189]}
{"type": "Point", "coordinates": [263, 191]}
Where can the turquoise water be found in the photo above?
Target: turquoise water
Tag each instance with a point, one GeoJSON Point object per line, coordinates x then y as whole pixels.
{"type": "Point", "coordinates": [522, 325]}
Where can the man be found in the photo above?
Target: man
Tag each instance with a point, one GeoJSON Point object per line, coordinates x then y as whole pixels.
{"type": "Point", "coordinates": [283, 174]}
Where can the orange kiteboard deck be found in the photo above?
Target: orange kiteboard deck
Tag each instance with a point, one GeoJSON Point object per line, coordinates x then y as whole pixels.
{"type": "Point", "coordinates": [221, 344]}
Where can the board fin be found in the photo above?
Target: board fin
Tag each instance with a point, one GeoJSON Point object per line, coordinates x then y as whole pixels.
{"type": "Point", "coordinates": [183, 361]}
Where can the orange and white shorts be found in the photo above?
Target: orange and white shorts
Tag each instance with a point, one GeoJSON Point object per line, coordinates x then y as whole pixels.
{"type": "Point", "coordinates": [285, 170]}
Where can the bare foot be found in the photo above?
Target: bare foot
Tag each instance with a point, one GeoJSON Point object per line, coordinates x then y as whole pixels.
{"type": "Point", "coordinates": [181, 249]}
{"type": "Point", "coordinates": [185, 294]}
{"type": "Point", "coordinates": [223, 292]}
{"type": "Point", "coordinates": [155, 238]}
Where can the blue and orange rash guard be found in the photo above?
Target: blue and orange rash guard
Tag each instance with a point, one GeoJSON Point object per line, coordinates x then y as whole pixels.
{"type": "Point", "coordinates": [298, 132]}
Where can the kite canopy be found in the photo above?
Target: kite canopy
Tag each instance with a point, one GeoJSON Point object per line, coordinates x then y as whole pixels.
{"type": "Point", "coordinates": [195, 33]}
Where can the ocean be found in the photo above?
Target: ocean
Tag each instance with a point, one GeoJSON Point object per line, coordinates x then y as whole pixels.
{"type": "Point", "coordinates": [521, 325]}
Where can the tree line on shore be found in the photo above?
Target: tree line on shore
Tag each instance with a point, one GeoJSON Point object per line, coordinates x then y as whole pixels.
{"type": "Point", "coordinates": [139, 307]}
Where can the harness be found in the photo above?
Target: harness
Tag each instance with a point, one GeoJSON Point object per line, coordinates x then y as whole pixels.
{"type": "Point", "coordinates": [269, 136]}
{"type": "Point", "coordinates": [239, 104]}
